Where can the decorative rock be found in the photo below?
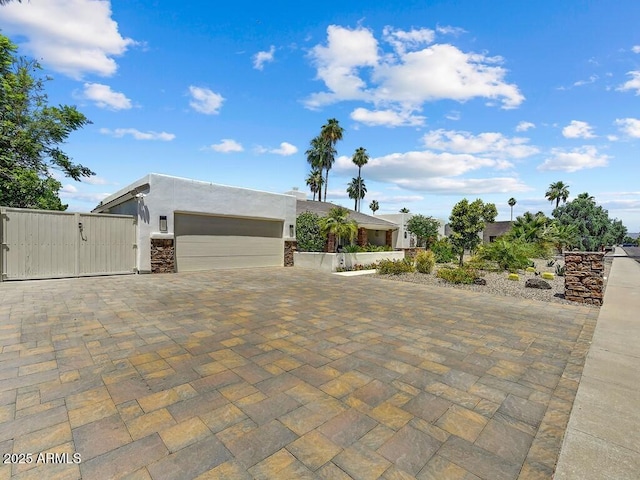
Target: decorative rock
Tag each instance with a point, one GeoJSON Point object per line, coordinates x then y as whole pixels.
{"type": "Point", "coordinates": [548, 275]}
{"type": "Point", "coordinates": [479, 281]}
{"type": "Point", "coordinates": [537, 283]}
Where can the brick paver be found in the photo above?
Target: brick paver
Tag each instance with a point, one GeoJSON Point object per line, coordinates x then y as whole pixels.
{"type": "Point", "coordinates": [283, 373]}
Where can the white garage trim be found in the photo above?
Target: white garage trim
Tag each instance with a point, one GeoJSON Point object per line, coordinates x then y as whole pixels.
{"type": "Point", "coordinates": [208, 242]}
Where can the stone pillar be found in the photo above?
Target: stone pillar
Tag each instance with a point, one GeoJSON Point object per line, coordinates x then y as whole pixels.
{"type": "Point", "coordinates": [331, 243]}
{"type": "Point", "coordinates": [389, 238]}
{"type": "Point", "coordinates": [362, 237]}
{"type": "Point", "coordinates": [410, 253]}
{"type": "Point", "coordinates": [289, 247]}
{"type": "Point", "coordinates": [584, 277]}
{"type": "Point", "coordinates": [162, 255]}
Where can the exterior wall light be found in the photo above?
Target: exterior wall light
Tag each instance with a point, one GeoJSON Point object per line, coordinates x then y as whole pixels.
{"type": "Point", "coordinates": [163, 224]}
{"type": "Point", "coordinates": [291, 230]}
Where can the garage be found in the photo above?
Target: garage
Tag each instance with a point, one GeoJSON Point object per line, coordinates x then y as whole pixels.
{"type": "Point", "coordinates": [207, 242]}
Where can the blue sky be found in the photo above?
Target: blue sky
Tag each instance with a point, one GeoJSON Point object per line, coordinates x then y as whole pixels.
{"type": "Point", "coordinates": [451, 99]}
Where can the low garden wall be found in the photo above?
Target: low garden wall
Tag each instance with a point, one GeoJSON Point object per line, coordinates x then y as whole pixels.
{"type": "Point", "coordinates": [330, 262]}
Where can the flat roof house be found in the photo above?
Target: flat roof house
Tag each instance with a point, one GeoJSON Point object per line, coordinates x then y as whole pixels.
{"type": "Point", "coordinates": [190, 225]}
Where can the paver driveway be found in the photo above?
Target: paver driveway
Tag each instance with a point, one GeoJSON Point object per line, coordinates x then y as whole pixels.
{"type": "Point", "coordinates": [283, 373]}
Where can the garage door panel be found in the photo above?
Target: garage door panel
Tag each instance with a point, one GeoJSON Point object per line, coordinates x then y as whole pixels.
{"type": "Point", "coordinates": [208, 242]}
{"type": "Point", "coordinates": [193, 246]}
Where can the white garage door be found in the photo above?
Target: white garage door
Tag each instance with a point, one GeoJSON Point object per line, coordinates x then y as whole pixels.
{"type": "Point", "coordinates": [205, 242]}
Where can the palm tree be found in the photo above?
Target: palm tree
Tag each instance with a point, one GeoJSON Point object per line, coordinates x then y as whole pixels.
{"type": "Point", "coordinates": [404, 210]}
{"type": "Point", "coordinates": [512, 202]}
{"type": "Point", "coordinates": [4, 2]}
{"type": "Point", "coordinates": [357, 190]}
{"type": "Point", "coordinates": [314, 181]}
{"type": "Point", "coordinates": [374, 206]}
{"type": "Point", "coordinates": [331, 132]}
{"type": "Point", "coordinates": [360, 158]}
{"type": "Point", "coordinates": [338, 223]}
{"type": "Point", "coordinates": [557, 191]}
{"type": "Point", "coordinates": [319, 155]}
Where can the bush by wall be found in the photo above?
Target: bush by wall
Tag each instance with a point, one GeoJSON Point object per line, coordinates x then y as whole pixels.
{"type": "Point", "coordinates": [308, 233]}
{"type": "Point", "coordinates": [425, 261]}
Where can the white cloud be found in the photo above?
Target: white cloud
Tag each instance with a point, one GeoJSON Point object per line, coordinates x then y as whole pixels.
{"type": "Point", "coordinates": [402, 40]}
{"type": "Point", "coordinates": [95, 180]}
{"type": "Point", "coordinates": [104, 97]}
{"type": "Point", "coordinates": [453, 115]}
{"type": "Point", "coordinates": [69, 189]}
{"type": "Point", "coordinates": [635, 49]}
{"type": "Point", "coordinates": [227, 145]}
{"type": "Point", "coordinates": [260, 58]}
{"type": "Point", "coordinates": [353, 66]}
{"type": "Point", "coordinates": [633, 84]}
{"type": "Point", "coordinates": [75, 37]}
{"type": "Point", "coordinates": [205, 101]}
{"type": "Point", "coordinates": [487, 143]}
{"type": "Point", "coordinates": [629, 126]}
{"type": "Point", "coordinates": [580, 83]}
{"type": "Point", "coordinates": [524, 126]}
{"type": "Point", "coordinates": [138, 135]}
{"type": "Point", "coordinates": [574, 160]}
{"type": "Point", "coordinates": [389, 118]}
{"type": "Point", "coordinates": [578, 129]}
{"type": "Point", "coordinates": [449, 30]}
{"type": "Point", "coordinates": [466, 186]}
{"type": "Point", "coordinates": [285, 149]}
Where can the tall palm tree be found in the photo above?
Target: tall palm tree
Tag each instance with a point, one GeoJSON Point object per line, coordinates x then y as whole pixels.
{"type": "Point", "coordinates": [360, 158]}
{"type": "Point", "coordinates": [338, 223]}
{"type": "Point", "coordinates": [314, 182]}
{"type": "Point", "coordinates": [4, 2]}
{"type": "Point", "coordinates": [331, 132]}
{"type": "Point", "coordinates": [512, 202]}
{"type": "Point", "coordinates": [319, 155]}
{"type": "Point", "coordinates": [557, 191]}
{"type": "Point", "coordinates": [374, 206]}
{"type": "Point", "coordinates": [404, 210]}
{"type": "Point", "coordinates": [357, 190]}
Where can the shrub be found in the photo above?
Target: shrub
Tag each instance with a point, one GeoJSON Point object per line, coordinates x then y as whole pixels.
{"type": "Point", "coordinates": [509, 255]}
{"type": "Point", "coordinates": [425, 260]}
{"type": "Point", "coordinates": [395, 267]}
{"type": "Point", "coordinates": [443, 250]}
{"type": "Point", "coordinates": [353, 249]}
{"type": "Point", "coordinates": [308, 233]}
{"type": "Point", "coordinates": [357, 267]}
{"type": "Point", "coordinates": [551, 263]}
{"type": "Point", "coordinates": [560, 270]}
{"type": "Point", "coordinates": [462, 274]}
{"type": "Point", "coordinates": [514, 276]}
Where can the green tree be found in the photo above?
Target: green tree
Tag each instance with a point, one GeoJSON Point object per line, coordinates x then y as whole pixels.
{"type": "Point", "coordinates": [557, 191]}
{"type": "Point", "coordinates": [512, 202]}
{"type": "Point", "coordinates": [360, 158]}
{"type": "Point", "coordinates": [31, 131]}
{"type": "Point", "coordinates": [467, 220]}
{"type": "Point", "coordinates": [331, 132]}
{"type": "Point", "coordinates": [404, 210]}
{"type": "Point", "coordinates": [308, 234]}
{"type": "Point", "coordinates": [319, 155]}
{"type": "Point", "coordinates": [339, 224]}
{"type": "Point", "coordinates": [374, 206]}
{"type": "Point", "coordinates": [357, 190]}
{"type": "Point", "coordinates": [594, 227]}
{"type": "Point", "coordinates": [28, 190]}
{"type": "Point", "coordinates": [529, 227]}
{"type": "Point", "coordinates": [424, 228]}
{"type": "Point", "coordinates": [314, 182]}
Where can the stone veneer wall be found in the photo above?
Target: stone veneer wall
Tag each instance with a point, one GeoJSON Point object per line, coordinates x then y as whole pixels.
{"type": "Point", "coordinates": [162, 256]}
{"type": "Point", "coordinates": [363, 238]}
{"type": "Point", "coordinates": [290, 246]}
{"type": "Point", "coordinates": [584, 277]}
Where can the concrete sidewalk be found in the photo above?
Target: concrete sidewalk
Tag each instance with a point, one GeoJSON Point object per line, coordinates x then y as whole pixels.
{"type": "Point", "coordinates": [602, 440]}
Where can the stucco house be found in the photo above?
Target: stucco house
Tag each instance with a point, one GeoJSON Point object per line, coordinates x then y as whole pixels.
{"type": "Point", "coordinates": [189, 225]}
{"type": "Point", "coordinates": [402, 238]}
{"type": "Point", "coordinates": [371, 230]}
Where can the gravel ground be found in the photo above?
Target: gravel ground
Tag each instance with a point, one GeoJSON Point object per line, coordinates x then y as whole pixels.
{"type": "Point", "coordinates": [499, 284]}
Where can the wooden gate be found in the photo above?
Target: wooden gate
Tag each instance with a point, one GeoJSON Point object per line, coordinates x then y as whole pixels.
{"type": "Point", "coordinates": [47, 244]}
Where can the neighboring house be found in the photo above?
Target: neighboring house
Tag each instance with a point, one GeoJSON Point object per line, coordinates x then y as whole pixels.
{"type": "Point", "coordinates": [373, 230]}
{"type": "Point", "coordinates": [495, 230]}
{"type": "Point", "coordinates": [402, 238]}
{"type": "Point", "coordinates": [189, 225]}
